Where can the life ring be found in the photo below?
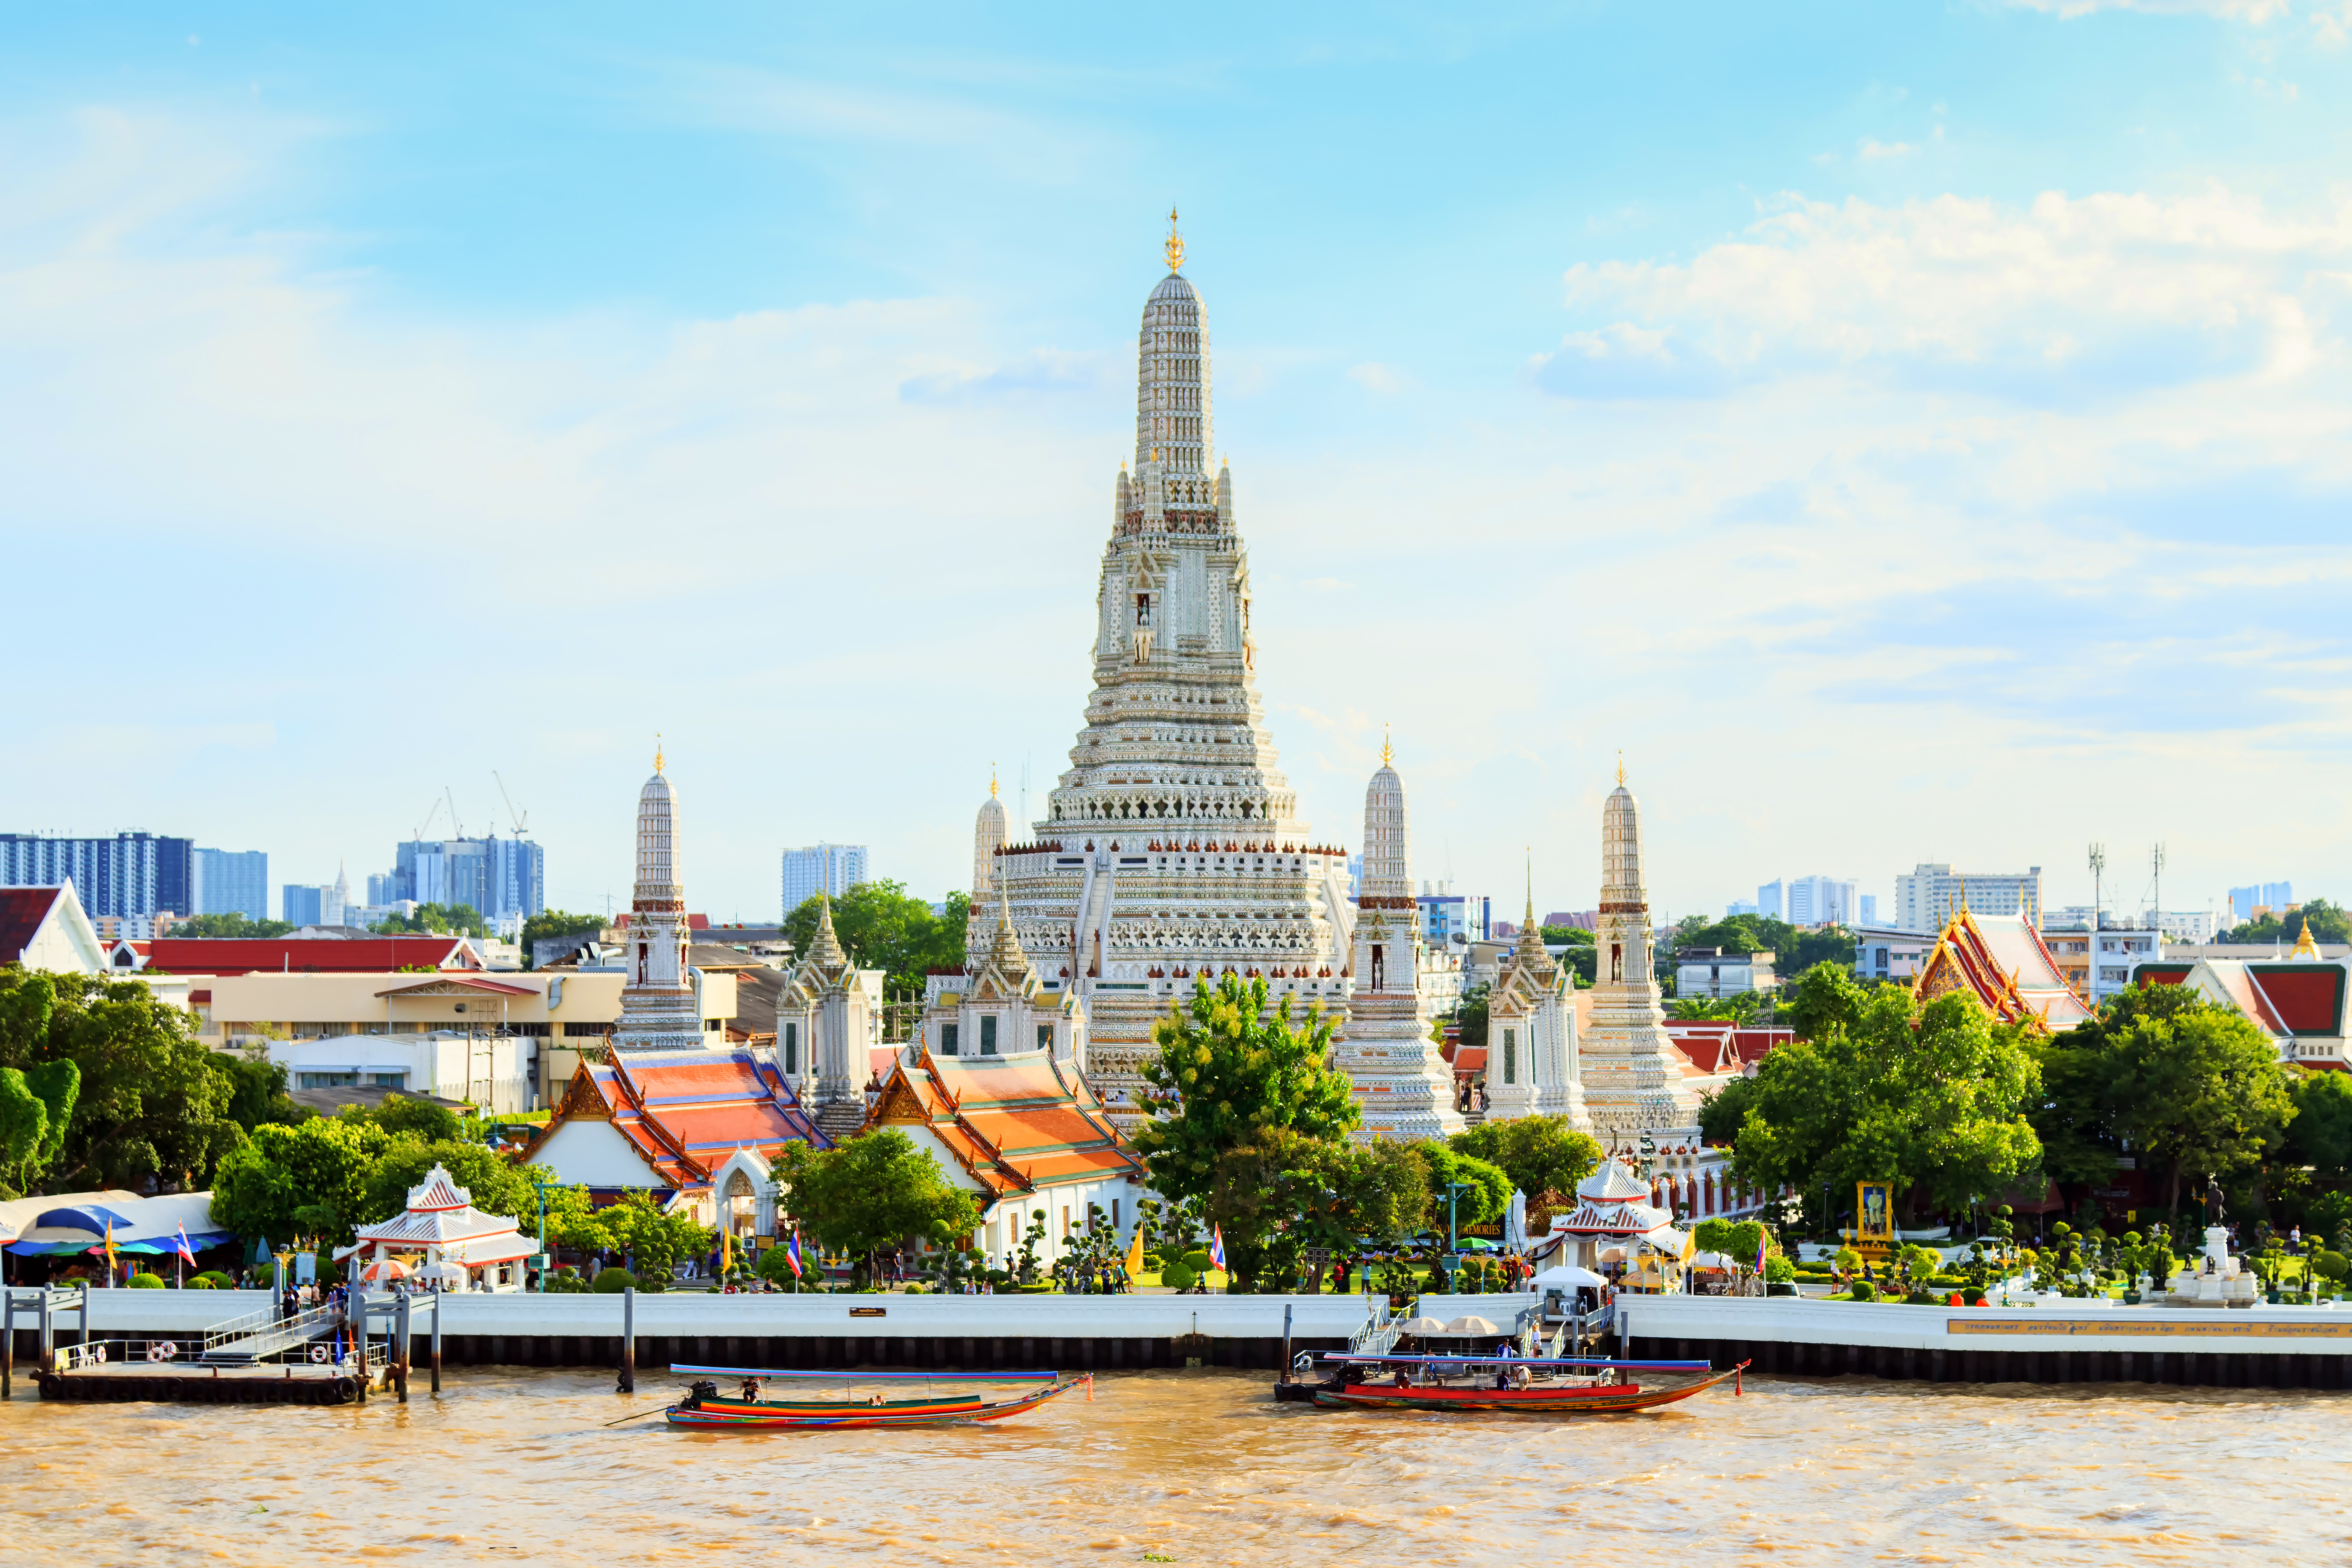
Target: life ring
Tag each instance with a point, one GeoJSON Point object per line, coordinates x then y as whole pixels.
{"type": "Point", "coordinates": [154, 1353]}
{"type": "Point", "coordinates": [98, 1355]}
{"type": "Point", "coordinates": [319, 1353]}
{"type": "Point", "coordinates": [170, 1349]}
{"type": "Point", "coordinates": [161, 1350]}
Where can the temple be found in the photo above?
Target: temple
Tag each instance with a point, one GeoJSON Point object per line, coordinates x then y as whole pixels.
{"type": "Point", "coordinates": [1385, 1045]}
{"type": "Point", "coordinates": [1171, 847]}
{"type": "Point", "coordinates": [2298, 1000]}
{"type": "Point", "coordinates": [1534, 1065]}
{"type": "Point", "coordinates": [659, 1008]}
{"type": "Point", "coordinates": [442, 1240]}
{"type": "Point", "coordinates": [1634, 1080]}
{"type": "Point", "coordinates": [2002, 960]}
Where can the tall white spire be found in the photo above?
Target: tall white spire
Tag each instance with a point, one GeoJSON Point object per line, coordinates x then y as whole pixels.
{"type": "Point", "coordinates": [1173, 426]}
{"type": "Point", "coordinates": [658, 1011]}
{"type": "Point", "coordinates": [1634, 1078]}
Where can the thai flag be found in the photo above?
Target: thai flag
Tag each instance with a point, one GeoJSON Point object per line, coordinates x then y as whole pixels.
{"type": "Point", "coordinates": [182, 1248]}
{"type": "Point", "coordinates": [1217, 1247]}
{"type": "Point", "coordinates": [1762, 1235]}
{"type": "Point", "coordinates": [792, 1253]}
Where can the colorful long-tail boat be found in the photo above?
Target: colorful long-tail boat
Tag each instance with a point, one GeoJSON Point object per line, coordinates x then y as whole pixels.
{"type": "Point", "coordinates": [853, 1407]}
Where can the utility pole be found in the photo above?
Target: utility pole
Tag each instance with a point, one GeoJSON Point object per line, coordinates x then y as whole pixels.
{"type": "Point", "coordinates": [2155, 889]}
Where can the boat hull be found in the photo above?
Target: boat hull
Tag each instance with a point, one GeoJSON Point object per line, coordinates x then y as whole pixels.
{"type": "Point", "coordinates": [738, 1416]}
{"type": "Point", "coordinates": [1601, 1399]}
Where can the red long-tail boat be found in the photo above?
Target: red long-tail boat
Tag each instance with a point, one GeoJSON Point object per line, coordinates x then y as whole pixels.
{"type": "Point", "coordinates": [1523, 1385]}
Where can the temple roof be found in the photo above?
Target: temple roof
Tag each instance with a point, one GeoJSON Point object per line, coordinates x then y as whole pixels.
{"type": "Point", "coordinates": [2002, 961]}
{"type": "Point", "coordinates": [1014, 1123]}
{"type": "Point", "coordinates": [685, 1111]}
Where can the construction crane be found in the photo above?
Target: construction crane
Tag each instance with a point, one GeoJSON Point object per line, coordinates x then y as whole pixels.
{"type": "Point", "coordinates": [519, 818]}
{"type": "Point", "coordinates": [455, 826]}
{"type": "Point", "coordinates": [430, 813]}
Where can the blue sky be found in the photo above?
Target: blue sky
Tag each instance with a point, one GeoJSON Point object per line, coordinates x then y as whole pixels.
{"type": "Point", "coordinates": [1908, 433]}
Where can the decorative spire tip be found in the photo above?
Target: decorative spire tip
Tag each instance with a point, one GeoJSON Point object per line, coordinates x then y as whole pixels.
{"type": "Point", "coordinates": [1388, 752]}
{"type": "Point", "coordinates": [657, 751]}
{"type": "Point", "coordinates": [1175, 250]}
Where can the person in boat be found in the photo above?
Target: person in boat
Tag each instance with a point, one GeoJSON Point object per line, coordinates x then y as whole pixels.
{"type": "Point", "coordinates": [1520, 1378]}
{"type": "Point", "coordinates": [875, 1398]}
{"type": "Point", "coordinates": [752, 1388]}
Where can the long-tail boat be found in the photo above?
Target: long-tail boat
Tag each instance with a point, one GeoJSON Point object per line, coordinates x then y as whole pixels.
{"type": "Point", "coordinates": [849, 1406]}
{"type": "Point", "coordinates": [1555, 1385]}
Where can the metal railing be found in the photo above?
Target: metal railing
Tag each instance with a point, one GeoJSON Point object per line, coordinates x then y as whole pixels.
{"type": "Point", "coordinates": [259, 1335]}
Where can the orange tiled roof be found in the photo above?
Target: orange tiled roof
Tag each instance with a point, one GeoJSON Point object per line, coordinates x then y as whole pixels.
{"type": "Point", "coordinates": [1014, 1124]}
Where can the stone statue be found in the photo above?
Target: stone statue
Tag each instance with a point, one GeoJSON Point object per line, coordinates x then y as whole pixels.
{"type": "Point", "coordinates": [2217, 1212]}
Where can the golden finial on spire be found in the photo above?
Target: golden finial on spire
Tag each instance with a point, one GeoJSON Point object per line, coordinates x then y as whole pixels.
{"type": "Point", "coordinates": [657, 751]}
{"type": "Point", "coordinates": [1174, 248]}
{"type": "Point", "coordinates": [1621, 768]}
{"type": "Point", "coordinates": [1388, 752]}
{"type": "Point", "coordinates": [991, 780]}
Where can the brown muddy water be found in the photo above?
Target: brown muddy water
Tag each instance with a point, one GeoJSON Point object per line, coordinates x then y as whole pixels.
{"type": "Point", "coordinates": [510, 1466]}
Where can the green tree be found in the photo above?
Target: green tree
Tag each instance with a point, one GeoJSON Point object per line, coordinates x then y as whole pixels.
{"type": "Point", "coordinates": [306, 1179]}
{"type": "Point", "coordinates": [881, 927]}
{"type": "Point", "coordinates": [1538, 1154]}
{"type": "Point", "coordinates": [256, 1089]}
{"type": "Point", "coordinates": [2320, 1136]}
{"type": "Point", "coordinates": [877, 1190]}
{"type": "Point", "coordinates": [230, 924]}
{"type": "Point", "coordinates": [1470, 1018]}
{"type": "Point", "coordinates": [1227, 1070]}
{"type": "Point", "coordinates": [1825, 997]}
{"type": "Point", "coordinates": [37, 1106]}
{"type": "Point", "coordinates": [149, 1108]}
{"type": "Point", "coordinates": [434, 919]}
{"type": "Point", "coordinates": [1721, 1113]}
{"type": "Point", "coordinates": [653, 1240]}
{"type": "Point", "coordinates": [1382, 1189]}
{"type": "Point", "coordinates": [420, 1121]}
{"type": "Point", "coordinates": [1932, 1099]}
{"type": "Point", "coordinates": [553, 922]}
{"type": "Point", "coordinates": [1487, 1194]}
{"type": "Point", "coordinates": [2196, 1086]}
{"type": "Point", "coordinates": [2328, 923]}
{"type": "Point", "coordinates": [1582, 959]}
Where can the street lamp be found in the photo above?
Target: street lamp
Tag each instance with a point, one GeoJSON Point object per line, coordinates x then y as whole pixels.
{"type": "Point", "coordinates": [1453, 1190]}
{"type": "Point", "coordinates": [539, 1185]}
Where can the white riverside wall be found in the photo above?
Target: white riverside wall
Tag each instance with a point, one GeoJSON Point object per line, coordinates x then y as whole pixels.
{"type": "Point", "coordinates": [2075, 1327]}
{"type": "Point", "coordinates": [525, 1314]}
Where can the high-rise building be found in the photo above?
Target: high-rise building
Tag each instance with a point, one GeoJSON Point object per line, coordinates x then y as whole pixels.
{"type": "Point", "coordinates": [232, 882]}
{"type": "Point", "coordinates": [2269, 897]}
{"type": "Point", "coordinates": [498, 878]}
{"type": "Point", "coordinates": [1771, 900]}
{"type": "Point", "coordinates": [130, 875]}
{"type": "Point", "coordinates": [1820, 901]}
{"type": "Point", "coordinates": [327, 905]}
{"type": "Point", "coordinates": [1450, 920]}
{"type": "Point", "coordinates": [1928, 896]}
{"type": "Point", "coordinates": [830, 868]}
{"type": "Point", "coordinates": [1868, 912]}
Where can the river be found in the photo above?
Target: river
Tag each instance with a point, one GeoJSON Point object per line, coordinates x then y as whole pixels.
{"type": "Point", "coordinates": [1194, 1467]}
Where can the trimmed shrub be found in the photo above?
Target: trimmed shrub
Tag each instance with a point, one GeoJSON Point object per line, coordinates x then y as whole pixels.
{"type": "Point", "coordinates": [1177, 1277]}
{"type": "Point", "coordinates": [1197, 1261]}
{"type": "Point", "coordinates": [215, 1279]}
{"type": "Point", "coordinates": [1864, 1292]}
{"type": "Point", "coordinates": [146, 1282]}
{"type": "Point", "coordinates": [613, 1281]}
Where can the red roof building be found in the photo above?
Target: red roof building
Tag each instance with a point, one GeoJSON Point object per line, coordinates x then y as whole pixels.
{"type": "Point", "coordinates": [2298, 1002]}
{"type": "Point", "coordinates": [308, 955]}
{"type": "Point", "coordinates": [1025, 1134]}
{"type": "Point", "coordinates": [2002, 960]}
{"type": "Point", "coordinates": [698, 1129]}
{"type": "Point", "coordinates": [45, 928]}
{"type": "Point", "coordinates": [1717, 1047]}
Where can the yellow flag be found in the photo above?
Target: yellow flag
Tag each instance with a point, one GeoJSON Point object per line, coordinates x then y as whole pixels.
{"type": "Point", "coordinates": [109, 1249]}
{"type": "Point", "coordinates": [1135, 1255]}
{"type": "Point", "coordinates": [1690, 1245]}
{"type": "Point", "coordinates": [725, 1252]}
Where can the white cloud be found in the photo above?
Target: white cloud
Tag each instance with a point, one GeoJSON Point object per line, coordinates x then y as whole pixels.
{"type": "Point", "coordinates": [2254, 11]}
{"type": "Point", "coordinates": [1374, 376]}
{"type": "Point", "coordinates": [2063, 299]}
{"type": "Point", "coordinates": [1872, 151]}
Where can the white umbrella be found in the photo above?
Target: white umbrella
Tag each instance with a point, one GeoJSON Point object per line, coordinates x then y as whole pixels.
{"type": "Point", "coordinates": [1566, 1277]}
{"type": "Point", "coordinates": [1471, 1325]}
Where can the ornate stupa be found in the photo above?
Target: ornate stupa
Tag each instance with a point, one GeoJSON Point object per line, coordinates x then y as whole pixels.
{"type": "Point", "coordinates": [1171, 847]}
{"type": "Point", "coordinates": [1533, 1057]}
{"type": "Point", "coordinates": [658, 1010]}
{"type": "Point", "coordinates": [988, 839]}
{"type": "Point", "coordinates": [1633, 1077]}
{"type": "Point", "coordinates": [1402, 1086]}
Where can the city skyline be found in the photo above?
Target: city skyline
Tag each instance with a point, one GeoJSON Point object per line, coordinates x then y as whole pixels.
{"type": "Point", "coordinates": [1884, 431]}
